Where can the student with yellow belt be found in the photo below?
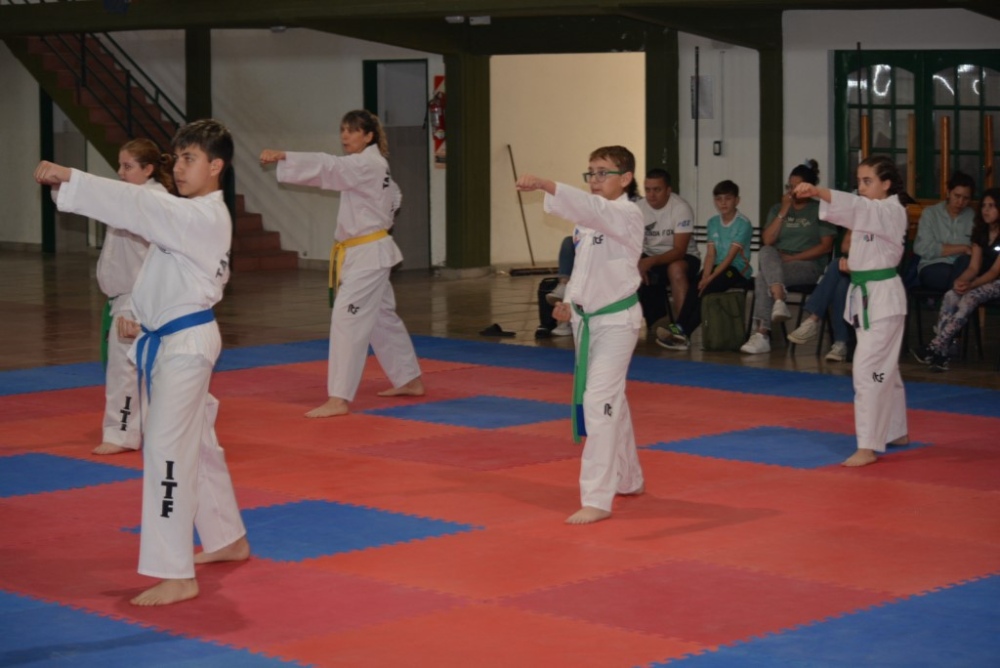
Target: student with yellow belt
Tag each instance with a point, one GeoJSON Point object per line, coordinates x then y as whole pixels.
{"type": "Point", "coordinates": [606, 319]}
{"type": "Point", "coordinates": [876, 302]}
{"type": "Point", "coordinates": [364, 310]}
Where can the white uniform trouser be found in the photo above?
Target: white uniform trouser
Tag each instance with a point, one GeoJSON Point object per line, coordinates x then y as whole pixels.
{"type": "Point", "coordinates": [121, 394]}
{"type": "Point", "coordinates": [365, 312]}
{"type": "Point", "coordinates": [186, 483]}
{"type": "Point", "coordinates": [879, 397]}
{"type": "Point", "coordinates": [610, 463]}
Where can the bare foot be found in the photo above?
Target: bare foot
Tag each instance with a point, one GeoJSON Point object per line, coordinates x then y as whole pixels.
{"type": "Point", "coordinates": [167, 592]}
{"type": "Point", "coordinates": [334, 406]}
{"type": "Point", "coordinates": [862, 457]}
{"type": "Point", "coordinates": [415, 388]}
{"type": "Point", "coordinates": [899, 442]}
{"type": "Point", "coordinates": [638, 492]}
{"type": "Point", "coordinates": [109, 449]}
{"type": "Point", "coordinates": [588, 515]}
{"type": "Point", "coordinates": [238, 550]}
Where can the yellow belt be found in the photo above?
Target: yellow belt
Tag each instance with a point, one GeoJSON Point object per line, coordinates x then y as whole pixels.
{"type": "Point", "coordinates": [338, 252]}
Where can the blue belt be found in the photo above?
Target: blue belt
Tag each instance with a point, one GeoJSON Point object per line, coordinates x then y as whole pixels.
{"type": "Point", "coordinates": [152, 338]}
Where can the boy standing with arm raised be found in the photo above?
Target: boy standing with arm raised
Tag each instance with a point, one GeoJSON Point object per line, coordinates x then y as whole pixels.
{"type": "Point", "coordinates": [186, 482]}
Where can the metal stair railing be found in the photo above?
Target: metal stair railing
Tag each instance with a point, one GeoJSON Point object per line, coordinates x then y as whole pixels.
{"type": "Point", "coordinates": [91, 73]}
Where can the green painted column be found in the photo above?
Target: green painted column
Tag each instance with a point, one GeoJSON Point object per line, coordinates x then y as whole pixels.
{"type": "Point", "coordinates": [662, 102]}
{"type": "Point", "coordinates": [47, 150]}
{"type": "Point", "coordinates": [772, 129]}
{"type": "Point", "coordinates": [467, 80]}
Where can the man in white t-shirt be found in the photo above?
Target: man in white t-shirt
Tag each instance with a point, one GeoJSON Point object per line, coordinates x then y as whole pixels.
{"type": "Point", "coordinates": [670, 258]}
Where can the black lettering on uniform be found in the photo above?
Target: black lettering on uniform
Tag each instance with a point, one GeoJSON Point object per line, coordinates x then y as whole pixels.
{"type": "Point", "coordinates": [166, 508]}
{"type": "Point", "coordinates": [126, 411]}
{"type": "Point", "coordinates": [352, 309]}
{"type": "Point", "coordinates": [878, 377]}
{"type": "Point", "coordinates": [607, 409]}
{"type": "Point", "coordinates": [167, 505]}
{"type": "Point", "coordinates": [598, 239]}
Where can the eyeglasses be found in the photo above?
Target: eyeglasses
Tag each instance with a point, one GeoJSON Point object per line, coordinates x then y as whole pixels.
{"type": "Point", "coordinates": [597, 177]}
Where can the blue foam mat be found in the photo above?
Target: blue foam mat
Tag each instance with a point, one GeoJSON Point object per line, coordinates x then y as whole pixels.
{"type": "Point", "coordinates": [780, 446]}
{"type": "Point", "coordinates": [481, 412]}
{"type": "Point", "coordinates": [302, 530]}
{"type": "Point", "coordinates": [35, 633]}
{"type": "Point", "coordinates": [686, 373]}
{"type": "Point", "coordinates": [34, 473]}
{"type": "Point", "coordinates": [953, 627]}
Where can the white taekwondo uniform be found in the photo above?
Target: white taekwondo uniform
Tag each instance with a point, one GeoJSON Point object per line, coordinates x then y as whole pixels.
{"type": "Point", "coordinates": [186, 483]}
{"type": "Point", "coordinates": [877, 243]}
{"type": "Point", "coordinates": [365, 308]}
{"type": "Point", "coordinates": [117, 269]}
{"type": "Point", "coordinates": [608, 239]}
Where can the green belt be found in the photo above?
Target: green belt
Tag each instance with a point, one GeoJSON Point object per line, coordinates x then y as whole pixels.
{"type": "Point", "coordinates": [582, 355]}
{"type": "Point", "coordinates": [106, 322]}
{"type": "Point", "coordinates": [863, 278]}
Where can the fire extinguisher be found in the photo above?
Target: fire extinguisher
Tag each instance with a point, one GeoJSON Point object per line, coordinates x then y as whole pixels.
{"type": "Point", "coordinates": [435, 111]}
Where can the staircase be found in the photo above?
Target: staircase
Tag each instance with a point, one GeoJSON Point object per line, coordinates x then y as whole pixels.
{"type": "Point", "coordinates": [111, 100]}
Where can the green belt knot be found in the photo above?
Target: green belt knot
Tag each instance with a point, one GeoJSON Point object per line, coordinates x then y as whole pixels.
{"type": "Point", "coordinates": [863, 278]}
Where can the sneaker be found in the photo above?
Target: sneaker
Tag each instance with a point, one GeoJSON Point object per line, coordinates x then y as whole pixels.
{"type": "Point", "coordinates": [923, 354]}
{"type": "Point", "coordinates": [757, 343]}
{"type": "Point", "coordinates": [672, 337]}
{"type": "Point", "coordinates": [838, 352]}
{"type": "Point", "coordinates": [556, 295]}
{"type": "Point", "coordinates": [805, 332]}
{"type": "Point", "coordinates": [563, 329]}
{"type": "Point", "coordinates": [780, 312]}
{"type": "Point", "coordinates": [939, 363]}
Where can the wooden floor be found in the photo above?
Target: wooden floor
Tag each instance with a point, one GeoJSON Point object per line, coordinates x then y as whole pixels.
{"type": "Point", "coordinates": [51, 308]}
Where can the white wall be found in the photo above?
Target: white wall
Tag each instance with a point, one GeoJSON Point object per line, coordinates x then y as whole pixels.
{"type": "Point", "coordinates": [735, 92]}
{"type": "Point", "coordinates": [553, 110]}
{"type": "Point", "coordinates": [20, 219]}
{"type": "Point", "coordinates": [812, 36]}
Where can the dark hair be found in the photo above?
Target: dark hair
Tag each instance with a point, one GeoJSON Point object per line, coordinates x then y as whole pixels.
{"type": "Point", "coordinates": [962, 180]}
{"type": "Point", "coordinates": [147, 153]}
{"type": "Point", "coordinates": [885, 169]}
{"type": "Point", "coordinates": [210, 136]}
{"type": "Point", "coordinates": [624, 161]}
{"type": "Point", "coordinates": [807, 171]}
{"type": "Point", "coordinates": [980, 229]}
{"type": "Point", "coordinates": [366, 121]}
{"type": "Point", "coordinates": [726, 187]}
{"type": "Point", "coordinates": [659, 173]}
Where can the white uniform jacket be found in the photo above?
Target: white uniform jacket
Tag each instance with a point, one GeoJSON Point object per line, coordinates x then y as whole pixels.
{"type": "Point", "coordinates": [608, 239]}
{"type": "Point", "coordinates": [877, 243]}
{"type": "Point", "coordinates": [369, 199]}
{"type": "Point", "coordinates": [187, 265]}
{"type": "Point", "coordinates": [121, 259]}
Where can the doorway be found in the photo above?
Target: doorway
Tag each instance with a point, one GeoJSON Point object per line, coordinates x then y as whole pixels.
{"type": "Point", "coordinates": [396, 90]}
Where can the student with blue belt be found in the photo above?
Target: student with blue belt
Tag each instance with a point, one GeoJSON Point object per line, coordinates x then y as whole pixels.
{"type": "Point", "coordinates": [602, 303]}
{"type": "Point", "coordinates": [186, 483]}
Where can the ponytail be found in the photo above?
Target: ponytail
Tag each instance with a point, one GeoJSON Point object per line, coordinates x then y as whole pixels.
{"type": "Point", "coordinates": [885, 169]}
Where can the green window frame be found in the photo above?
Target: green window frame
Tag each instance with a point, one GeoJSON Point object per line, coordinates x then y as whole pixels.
{"type": "Point", "coordinates": [889, 86]}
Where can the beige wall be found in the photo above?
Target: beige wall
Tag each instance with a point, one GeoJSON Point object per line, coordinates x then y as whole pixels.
{"type": "Point", "coordinates": [553, 111]}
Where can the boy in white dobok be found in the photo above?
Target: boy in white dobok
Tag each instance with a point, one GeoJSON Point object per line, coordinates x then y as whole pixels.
{"type": "Point", "coordinates": [876, 302]}
{"type": "Point", "coordinates": [186, 483]}
{"type": "Point", "coordinates": [364, 311]}
{"type": "Point", "coordinates": [602, 303]}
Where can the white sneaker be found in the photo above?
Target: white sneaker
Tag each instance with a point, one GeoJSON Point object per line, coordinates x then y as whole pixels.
{"type": "Point", "coordinates": [780, 312]}
{"type": "Point", "coordinates": [805, 332]}
{"type": "Point", "coordinates": [563, 329]}
{"type": "Point", "coordinates": [557, 293]}
{"type": "Point", "coordinates": [838, 352]}
{"type": "Point", "coordinates": [756, 344]}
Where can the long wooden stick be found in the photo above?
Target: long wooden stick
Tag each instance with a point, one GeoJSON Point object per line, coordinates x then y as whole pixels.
{"type": "Point", "coordinates": [520, 201]}
{"type": "Point", "coordinates": [866, 133]}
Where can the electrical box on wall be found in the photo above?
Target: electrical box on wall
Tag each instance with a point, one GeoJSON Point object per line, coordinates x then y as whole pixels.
{"type": "Point", "coordinates": [717, 147]}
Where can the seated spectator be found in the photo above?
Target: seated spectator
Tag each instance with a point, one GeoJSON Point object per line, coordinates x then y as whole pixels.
{"type": "Point", "coordinates": [978, 284]}
{"type": "Point", "coordinates": [727, 261]}
{"type": "Point", "coordinates": [942, 241]}
{"type": "Point", "coordinates": [670, 257]}
{"type": "Point", "coordinates": [830, 294]}
{"type": "Point", "coordinates": [795, 249]}
{"type": "Point", "coordinates": [567, 253]}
